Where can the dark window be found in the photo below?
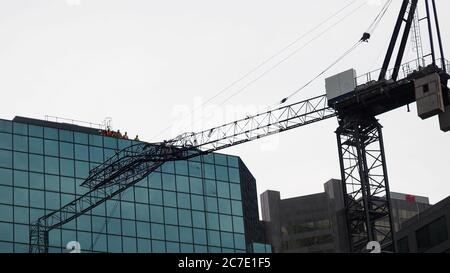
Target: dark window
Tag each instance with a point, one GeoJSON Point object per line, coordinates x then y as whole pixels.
{"type": "Point", "coordinates": [222, 173]}
{"type": "Point", "coordinates": [195, 169]}
{"type": "Point", "coordinates": [36, 145]}
{"type": "Point", "coordinates": [432, 234]}
{"type": "Point", "coordinates": [51, 133]}
{"type": "Point", "coordinates": [239, 241]}
{"type": "Point", "coordinates": [157, 231]}
{"type": "Point", "coordinates": [181, 167]}
{"type": "Point", "coordinates": [224, 206]}
{"type": "Point", "coordinates": [113, 226]}
{"type": "Point", "coordinates": [197, 202]}
{"type": "Point", "coordinates": [20, 161]}
{"type": "Point", "coordinates": [51, 165]}
{"type": "Point", "coordinates": [65, 135]}
{"type": "Point", "coordinates": [170, 199]}
{"type": "Point", "coordinates": [156, 214]}
{"type": "Point", "coordinates": [143, 229]}
{"type": "Point", "coordinates": [210, 187]}
{"type": "Point", "coordinates": [209, 171]}
{"type": "Point", "coordinates": [220, 159]}
{"type": "Point", "coordinates": [96, 154]}
{"type": "Point", "coordinates": [20, 143]}
{"type": "Point", "coordinates": [184, 200]}
{"type": "Point", "coordinates": [154, 180]}
{"type": "Point", "coordinates": [156, 197]}
{"type": "Point", "coordinates": [36, 163]}
{"type": "Point", "coordinates": [5, 177]}
{"type": "Point", "coordinates": [233, 161]}
{"type": "Point", "coordinates": [200, 236]}
{"type": "Point", "coordinates": [184, 217]}
{"type": "Point", "coordinates": [66, 149]}
{"type": "Point", "coordinates": [5, 141]}
{"type": "Point", "coordinates": [223, 189]}
{"type": "Point", "coordinates": [21, 129]}
{"type": "Point", "coordinates": [5, 126]}
{"type": "Point", "coordinates": [168, 167]}
{"type": "Point", "coordinates": [403, 245]}
{"type": "Point", "coordinates": [6, 195]}
{"type": "Point", "coordinates": [227, 239]}
{"type": "Point", "coordinates": [196, 185]}
{"type": "Point", "coordinates": [5, 159]}
{"type": "Point", "coordinates": [81, 169]}
{"type": "Point", "coordinates": [168, 181]}
{"type": "Point", "coordinates": [6, 232]}
{"type": "Point", "coordinates": [182, 183]}
{"type": "Point", "coordinates": [172, 233]}
{"type": "Point", "coordinates": [95, 140]}
{"type": "Point", "coordinates": [213, 238]}
{"type": "Point", "coordinates": [35, 131]}
{"type": "Point", "coordinates": [110, 142]}
{"type": "Point", "coordinates": [185, 234]}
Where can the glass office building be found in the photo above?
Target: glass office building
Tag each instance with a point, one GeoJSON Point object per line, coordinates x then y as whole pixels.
{"type": "Point", "coordinates": [205, 204]}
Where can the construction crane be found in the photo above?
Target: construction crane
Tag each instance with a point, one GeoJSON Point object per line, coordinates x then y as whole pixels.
{"type": "Point", "coordinates": [359, 137]}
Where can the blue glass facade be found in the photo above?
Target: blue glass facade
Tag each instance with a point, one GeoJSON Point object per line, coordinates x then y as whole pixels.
{"type": "Point", "coordinates": [184, 206]}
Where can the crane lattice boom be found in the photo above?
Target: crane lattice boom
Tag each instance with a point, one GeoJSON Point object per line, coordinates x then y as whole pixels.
{"type": "Point", "coordinates": [132, 164]}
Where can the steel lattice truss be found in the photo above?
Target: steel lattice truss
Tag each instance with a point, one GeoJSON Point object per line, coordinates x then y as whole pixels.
{"type": "Point", "coordinates": [257, 126]}
{"type": "Point", "coordinates": [132, 164]}
{"type": "Point", "coordinates": [365, 181]}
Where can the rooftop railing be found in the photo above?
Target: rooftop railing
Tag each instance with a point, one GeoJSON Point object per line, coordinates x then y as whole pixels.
{"type": "Point", "coordinates": [405, 69]}
{"type": "Point", "coordinates": [93, 125]}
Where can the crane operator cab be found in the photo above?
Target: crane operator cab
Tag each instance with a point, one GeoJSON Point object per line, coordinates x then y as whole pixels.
{"type": "Point", "coordinates": [426, 86]}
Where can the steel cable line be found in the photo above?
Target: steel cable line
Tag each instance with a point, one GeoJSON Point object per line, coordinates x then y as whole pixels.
{"type": "Point", "coordinates": [278, 53]}
{"type": "Point", "coordinates": [378, 18]}
{"type": "Point", "coordinates": [287, 57]}
{"type": "Point", "coordinates": [302, 36]}
{"type": "Point", "coordinates": [370, 30]}
{"type": "Point", "coordinates": [293, 53]}
{"type": "Point", "coordinates": [323, 71]}
{"type": "Point", "coordinates": [372, 27]}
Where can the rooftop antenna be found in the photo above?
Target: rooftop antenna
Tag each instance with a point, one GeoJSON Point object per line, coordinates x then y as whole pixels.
{"type": "Point", "coordinates": [107, 123]}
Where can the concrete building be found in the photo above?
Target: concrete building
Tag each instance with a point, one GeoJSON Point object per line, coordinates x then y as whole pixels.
{"type": "Point", "coordinates": [316, 222]}
{"type": "Point", "coordinates": [311, 223]}
{"type": "Point", "coordinates": [204, 204]}
{"type": "Point", "coordinates": [406, 206]}
{"type": "Point", "coordinates": [427, 232]}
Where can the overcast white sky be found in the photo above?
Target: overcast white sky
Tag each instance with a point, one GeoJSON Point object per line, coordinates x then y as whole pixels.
{"type": "Point", "coordinates": [146, 64]}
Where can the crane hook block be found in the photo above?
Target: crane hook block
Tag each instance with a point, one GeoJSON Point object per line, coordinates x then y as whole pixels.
{"type": "Point", "coordinates": [365, 37]}
{"type": "Point", "coordinates": [283, 100]}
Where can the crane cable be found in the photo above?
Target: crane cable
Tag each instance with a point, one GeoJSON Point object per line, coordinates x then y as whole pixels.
{"type": "Point", "coordinates": [323, 71]}
{"type": "Point", "coordinates": [278, 53]}
{"type": "Point", "coordinates": [299, 38]}
{"type": "Point", "coordinates": [365, 38]}
{"type": "Point", "coordinates": [286, 58]}
{"type": "Point", "coordinates": [292, 54]}
{"type": "Point", "coordinates": [378, 18]}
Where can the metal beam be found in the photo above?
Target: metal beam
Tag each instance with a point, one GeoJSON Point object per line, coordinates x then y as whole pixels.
{"type": "Point", "coordinates": [365, 183]}
{"type": "Point", "coordinates": [393, 41]}
{"type": "Point", "coordinates": [404, 40]}
{"type": "Point", "coordinates": [430, 31]}
{"type": "Point", "coordinates": [441, 49]}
